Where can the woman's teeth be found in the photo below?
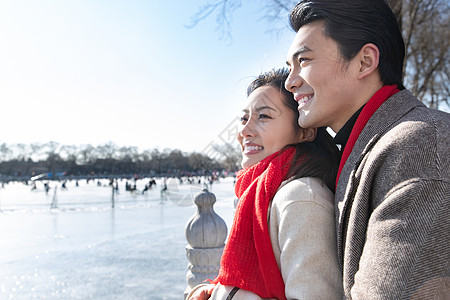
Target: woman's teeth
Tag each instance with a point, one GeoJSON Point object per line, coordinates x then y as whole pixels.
{"type": "Point", "coordinates": [253, 148]}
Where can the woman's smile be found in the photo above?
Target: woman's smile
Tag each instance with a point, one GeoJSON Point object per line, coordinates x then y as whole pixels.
{"type": "Point", "coordinates": [250, 148]}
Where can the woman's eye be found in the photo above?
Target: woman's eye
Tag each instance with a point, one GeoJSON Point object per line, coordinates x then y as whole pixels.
{"type": "Point", "coordinates": [244, 119]}
{"type": "Point", "coordinates": [263, 116]}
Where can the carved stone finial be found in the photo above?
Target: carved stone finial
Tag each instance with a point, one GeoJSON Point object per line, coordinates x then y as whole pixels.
{"type": "Point", "coordinates": [206, 233]}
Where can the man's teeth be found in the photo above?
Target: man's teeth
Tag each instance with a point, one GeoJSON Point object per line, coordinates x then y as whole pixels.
{"type": "Point", "coordinates": [304, 99]}
{"type": "Point", "coordinates": [253, 148]}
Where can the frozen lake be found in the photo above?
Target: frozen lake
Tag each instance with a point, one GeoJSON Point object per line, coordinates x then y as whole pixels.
{"type": "Point", "coordinates": [84, 249]}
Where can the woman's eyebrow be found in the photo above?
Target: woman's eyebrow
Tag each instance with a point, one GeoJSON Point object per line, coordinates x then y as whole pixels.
{"type": "Point", "coordinates": [264, 107]}
{"type": "Point", "coordinates": [246, 110]}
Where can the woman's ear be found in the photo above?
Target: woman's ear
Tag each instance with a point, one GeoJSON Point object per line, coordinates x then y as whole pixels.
{"type": "Point", "coordinates": [369, 57]}
{"type": "Point", "coordinates": [307, 134]}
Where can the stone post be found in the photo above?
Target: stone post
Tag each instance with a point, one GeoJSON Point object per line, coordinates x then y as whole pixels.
{"type": "Point", "coordinates": [206, 233]}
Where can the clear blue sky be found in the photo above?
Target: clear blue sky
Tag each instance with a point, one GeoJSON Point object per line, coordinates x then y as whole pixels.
{"type": "Point", "coordinates": [130, 72]}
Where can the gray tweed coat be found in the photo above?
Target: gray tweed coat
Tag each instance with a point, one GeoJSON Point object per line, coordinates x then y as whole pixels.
{"type": "Point", "coordinates": [393, 205]}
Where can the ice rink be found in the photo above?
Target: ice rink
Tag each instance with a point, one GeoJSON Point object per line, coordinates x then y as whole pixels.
{"type": "Point", "coordinates": [85, 249]}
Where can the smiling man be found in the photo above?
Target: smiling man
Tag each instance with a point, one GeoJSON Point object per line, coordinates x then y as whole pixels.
{"type": "Point", "coordinates": [392, 197]}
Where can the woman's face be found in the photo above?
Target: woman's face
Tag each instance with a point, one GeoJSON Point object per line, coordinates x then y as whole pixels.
{"type": "Point", "coordinates": [267, 126]}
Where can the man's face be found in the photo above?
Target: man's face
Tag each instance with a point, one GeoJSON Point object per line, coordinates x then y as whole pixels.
{"type": "Point", "coordinates": [321, 81]}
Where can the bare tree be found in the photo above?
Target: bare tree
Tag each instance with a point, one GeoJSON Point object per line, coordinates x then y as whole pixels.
{"type": "Point", "coordinates": [21, 151]}
{"type": "Point", "coordinates": [87, 154]}
{"type": "Point", "coordinates": [69, 152]}
{"type": "Point", "coordinates": [36, 151]}
{"type": "Point", "coordinates": [108, 159]}
{"type": "Point", "coordinates": [5, 152]}
{"type": "Point", "coordinates": [224, 11]}
{"type": "Point", "coordinates": [107, 151]}
{"type": "Point", "coordinates": [53, 150]}
{"type": "Point", "coordinates": [424, 25]}
{"type": "Point", "coordinates": [200, 161]}
{"type": "Point", "coordinates": [129, 153]}
{"type": "Point", "coordinates": [230, 155]}
{"type": "Point", "coordinates": [427, 39]}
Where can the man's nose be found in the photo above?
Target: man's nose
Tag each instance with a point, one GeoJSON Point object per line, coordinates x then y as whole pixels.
{"type": "Point", "coordinates": [292, 82]}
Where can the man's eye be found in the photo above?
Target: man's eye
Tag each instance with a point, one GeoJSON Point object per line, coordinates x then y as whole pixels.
{"type": "Point", "coordinates": [263, 116]}
{"type": "Point", "coordinates": [244, 120]}
{"type": "Point", "coordinates": [303, 59]}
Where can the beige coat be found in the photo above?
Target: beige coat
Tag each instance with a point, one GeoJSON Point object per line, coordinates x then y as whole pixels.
{"type": "Point", "coordinates": [302, 232]}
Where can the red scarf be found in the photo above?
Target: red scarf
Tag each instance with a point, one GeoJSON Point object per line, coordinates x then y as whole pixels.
{"type": "Point", "coordinates": [369, 109]}
{"type": "Point", "coordinates": [248, 261]}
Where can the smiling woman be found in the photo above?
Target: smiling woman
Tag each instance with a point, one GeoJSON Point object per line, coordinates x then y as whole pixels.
{"type": "Point", "coordinates": [267, 126]}
{"type": "Point", "coordinates": [283, 235]}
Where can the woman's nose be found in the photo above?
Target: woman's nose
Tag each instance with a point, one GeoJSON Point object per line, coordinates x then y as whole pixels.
{"type": "Point", "coordinates": [247, 129]}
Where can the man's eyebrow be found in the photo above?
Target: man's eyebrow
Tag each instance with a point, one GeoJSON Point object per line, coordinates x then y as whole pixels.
{"type": "Point", "coordinates": [302, 50]}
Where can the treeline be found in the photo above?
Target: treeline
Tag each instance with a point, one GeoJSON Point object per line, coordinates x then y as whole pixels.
{"type": "Point", "coordinates": [25, 161]}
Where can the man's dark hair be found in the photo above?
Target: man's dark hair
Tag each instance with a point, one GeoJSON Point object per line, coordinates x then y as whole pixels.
{"type": "Point", "coordinates": [354, 23]}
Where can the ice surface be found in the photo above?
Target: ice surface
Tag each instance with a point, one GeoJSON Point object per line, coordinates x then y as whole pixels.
{"type": "Point", "coordinates": [85, 249]}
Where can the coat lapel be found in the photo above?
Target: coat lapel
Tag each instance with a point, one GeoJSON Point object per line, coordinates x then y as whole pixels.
{"type": "Point", "coordinates": [383, 119]}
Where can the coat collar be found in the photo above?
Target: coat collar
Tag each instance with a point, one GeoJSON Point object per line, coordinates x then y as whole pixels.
{"type": "Point", "coordinates": [390, 112]}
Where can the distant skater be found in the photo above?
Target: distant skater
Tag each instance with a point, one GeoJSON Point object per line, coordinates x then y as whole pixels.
{"type": "Point", "coordinates": [164, 190]}
{"type": "Point", "coordinates": [46, 187]}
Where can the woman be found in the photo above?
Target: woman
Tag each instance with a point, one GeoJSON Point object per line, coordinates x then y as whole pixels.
{"type": "Point", "coordinates": [282, 242]}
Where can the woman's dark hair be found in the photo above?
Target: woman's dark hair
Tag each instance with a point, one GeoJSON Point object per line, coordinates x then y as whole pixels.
{"type": "Point", "coordinates": [318, 158]}
{"type": "Point", "coordinates": [354, 23]}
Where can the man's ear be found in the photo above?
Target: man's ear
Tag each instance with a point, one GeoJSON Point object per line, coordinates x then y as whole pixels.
{"type": "Point", "coordinates": [307, 134]}
{"type": "Point", "coordinates": [369, 57]}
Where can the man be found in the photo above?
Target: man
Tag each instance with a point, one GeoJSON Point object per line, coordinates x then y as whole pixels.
{"type": "Point", "coordinates": [392, 198]}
